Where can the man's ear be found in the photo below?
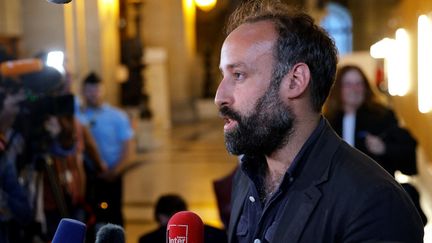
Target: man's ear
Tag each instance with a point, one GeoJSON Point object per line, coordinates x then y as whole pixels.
{"type": "Point", "coordinates": [296, 81]}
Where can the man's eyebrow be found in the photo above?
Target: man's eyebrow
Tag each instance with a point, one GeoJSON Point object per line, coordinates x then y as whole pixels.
{"type": "Point", "coordinates": [234, 65]}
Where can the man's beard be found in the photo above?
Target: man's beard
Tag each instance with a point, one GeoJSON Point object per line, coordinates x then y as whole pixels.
{"type": "Point", "coordinates": [265, 130]}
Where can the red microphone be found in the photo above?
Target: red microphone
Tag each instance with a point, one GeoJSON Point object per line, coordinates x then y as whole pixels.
{"type": "Point", "coordinates": [185, 227]}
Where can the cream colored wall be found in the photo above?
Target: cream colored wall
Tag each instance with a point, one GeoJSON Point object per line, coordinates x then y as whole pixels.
{"type": "Point", "coordinates": [420, 124]}
{"type": "Point", "coordinates": [90, 41]}
{"type": "Point", "coordinates": [10, 21]}
{"type": "Point", "coordinates": [93, 43]}
{"type": "Point", "coordinates": [109, 46]}
{"type": "Point", "coordinates": [87, 31]}
{"type": "Point", "coordinates": [165, 25]}
{"type": "Point", "coordinates": [43, 27]}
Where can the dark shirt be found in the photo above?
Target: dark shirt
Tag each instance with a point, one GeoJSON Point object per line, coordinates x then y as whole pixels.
{"type": "Point", "coordinates": [260, 215]}
{"type": "Point", "coordinates": [14, 204]}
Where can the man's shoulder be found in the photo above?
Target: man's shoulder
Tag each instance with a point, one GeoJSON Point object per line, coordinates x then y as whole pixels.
{"type": "Point", "coordinates": [213, 234]}
{"type": "Point", "coordinates": [114, 111]}
{"type": "Point", "coordinates": [352, 165]}
{"type": "Point", "coordinates": [154, 236]}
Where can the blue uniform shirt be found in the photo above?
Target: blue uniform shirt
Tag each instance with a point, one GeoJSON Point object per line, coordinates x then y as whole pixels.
{"type": "Point", "coordinates": [110, 127]}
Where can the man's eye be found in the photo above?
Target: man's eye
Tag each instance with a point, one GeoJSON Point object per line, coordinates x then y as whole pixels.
{"type": "Point", "coordinates": [238, 75]}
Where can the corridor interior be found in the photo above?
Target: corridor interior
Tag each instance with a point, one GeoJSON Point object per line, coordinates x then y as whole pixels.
{"type": "Point", "coordinates": [185, 160]}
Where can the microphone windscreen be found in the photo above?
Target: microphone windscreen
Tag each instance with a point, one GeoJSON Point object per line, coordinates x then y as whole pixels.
{"type": "Point", "coordinates": [70, 231]}
{"type": "Point", "coordinates": [47, 80]}
{"type": "Point", "coordinates": [60, 1]}
{"type": "Point", "coordinates": [185, 227]}
{"type": "Point", "coordinates": [110, 233]}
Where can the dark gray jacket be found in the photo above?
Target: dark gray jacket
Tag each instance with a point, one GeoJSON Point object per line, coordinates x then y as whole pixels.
{"type": "Point", "coordinates": [339, 195]}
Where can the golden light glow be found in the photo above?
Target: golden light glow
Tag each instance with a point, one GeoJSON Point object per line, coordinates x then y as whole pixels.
{"type": "Point", "coordinates": [104, 205]}
{"type": "Point", "coordinates": [109, 44]}
{"type": "Point", "coordinates": [107, 8]}
{"type": "Point", "coordinates": [189, 18]}
{"type": "Point", "coordinates": [108, 2]}
{"type": "Point", "coordinates": [399, 65]}
{"type": "Point", "coordinates": [189, 7]}
{"type": "Point", "coordinates": [424, 62]}
{"type": "Point", "coordinates": [206, 5]}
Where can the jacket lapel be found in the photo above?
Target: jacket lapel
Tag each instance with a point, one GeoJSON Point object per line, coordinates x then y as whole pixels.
{"type": "Point", "coordinates": [305, 193]}
{"type": "Point", "coordinates": [239, 194]}
{"type": "Point", "coordinates": [294, 219]}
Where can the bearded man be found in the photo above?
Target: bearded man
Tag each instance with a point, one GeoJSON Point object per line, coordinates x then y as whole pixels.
{"type": "Point", "coordinates": [298, 182]}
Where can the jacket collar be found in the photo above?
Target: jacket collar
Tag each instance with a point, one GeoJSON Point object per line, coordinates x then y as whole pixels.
{"type": "Point", "coordinates": [305, 192]}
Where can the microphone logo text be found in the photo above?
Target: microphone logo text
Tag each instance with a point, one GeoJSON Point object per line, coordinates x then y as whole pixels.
{"type": "Point", "coordinates": [178, 240]}
{"type": "Point", "coordinates": [177, 233]}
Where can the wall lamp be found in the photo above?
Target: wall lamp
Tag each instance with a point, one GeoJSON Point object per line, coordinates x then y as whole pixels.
{"type": "Point", "coordinates": [424, 64]}
{"type": "Point", "coordinates": [206, 5]}
{"type": "Point", "coordinates": [396, 54]}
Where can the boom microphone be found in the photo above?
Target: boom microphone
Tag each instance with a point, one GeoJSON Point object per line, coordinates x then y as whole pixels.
{"type": "Point", "coordinates": [110, 233]}
{"type": "Point", "coordinates": [70, 231]}
{"type": "Point", "coordinates": [20, 67]}
{"type": "Point", "coordinates": [185, 227]}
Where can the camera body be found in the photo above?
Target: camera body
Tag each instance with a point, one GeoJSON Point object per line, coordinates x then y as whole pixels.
{"type": "Point", "coordinates": [43, 97]}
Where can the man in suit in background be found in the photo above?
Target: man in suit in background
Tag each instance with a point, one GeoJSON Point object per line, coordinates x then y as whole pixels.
{"type": "Point", "coordinates": [166, 207]}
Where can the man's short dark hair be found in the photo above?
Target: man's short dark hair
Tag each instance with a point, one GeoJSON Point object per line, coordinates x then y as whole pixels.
{"type": "Point", "coordinates": [299, 40]}
{"type": "Point", "coordinates": [92, 78]}
{"type": "Point", "coordinates": [169, 204]}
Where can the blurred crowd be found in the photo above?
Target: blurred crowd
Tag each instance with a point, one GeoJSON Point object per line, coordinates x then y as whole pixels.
{"type": "Point", "coordinates": [59, 157]}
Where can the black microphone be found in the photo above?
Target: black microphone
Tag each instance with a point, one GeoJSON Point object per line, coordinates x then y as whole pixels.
{"type": "Point", "coordinates": [70, 231]}
{"type": "Point", "coordinates": [59, 1]}
{"type": "Point", "coordinates": [110, 233]}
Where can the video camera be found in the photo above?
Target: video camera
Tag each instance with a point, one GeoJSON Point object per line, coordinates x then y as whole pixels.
{"type": "Point", "coordinates": [39, 82]}
{"type": "Point", "coordinates": [42, 86]}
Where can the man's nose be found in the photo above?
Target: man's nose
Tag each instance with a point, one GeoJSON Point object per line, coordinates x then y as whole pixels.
{"type": "Point", "coordinates": [223, 95]}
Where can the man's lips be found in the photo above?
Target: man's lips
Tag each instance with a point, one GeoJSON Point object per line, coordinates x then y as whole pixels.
{"type": "Point", "coordinates": [229, 124]}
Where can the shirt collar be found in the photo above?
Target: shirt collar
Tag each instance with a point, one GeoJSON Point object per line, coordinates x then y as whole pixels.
{"type": "Point", "coordinates": [255, 165]}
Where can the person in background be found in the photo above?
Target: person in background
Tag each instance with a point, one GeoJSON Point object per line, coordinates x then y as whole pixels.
{"type": "Point", "coordinates": [166, 206]}
{"type": "Point", "coordinates": [363, 121]}
{"type": "Point", "coordinates": [298, 180]}
{"type": "Point", "coordinates": [113, 134]}
{"type": "Point", "coordinates": [15, 205]}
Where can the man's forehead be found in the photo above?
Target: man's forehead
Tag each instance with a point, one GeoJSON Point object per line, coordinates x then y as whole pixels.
{"type": "Point", "coordinates": [254, 37]}
{"type": "Point", "coordinates": [260, 30]}
{"type": "Point", "coordinates": [242, 54]}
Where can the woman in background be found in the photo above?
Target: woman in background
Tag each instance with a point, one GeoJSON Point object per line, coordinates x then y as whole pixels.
{"type": "Point", "coordinates": [357, 115]}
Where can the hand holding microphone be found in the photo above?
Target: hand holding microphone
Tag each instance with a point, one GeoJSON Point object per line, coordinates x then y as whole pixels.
{"type": "Point", "coordinates": [185, 227]}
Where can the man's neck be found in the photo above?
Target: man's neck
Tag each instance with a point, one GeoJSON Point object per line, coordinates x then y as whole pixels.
{"type": "Point", "coordinates": [94, 106]}
{"type": "Point", "coordinates": [279, 161]}
{"type": "Point", "coordinates": [349, 109]}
